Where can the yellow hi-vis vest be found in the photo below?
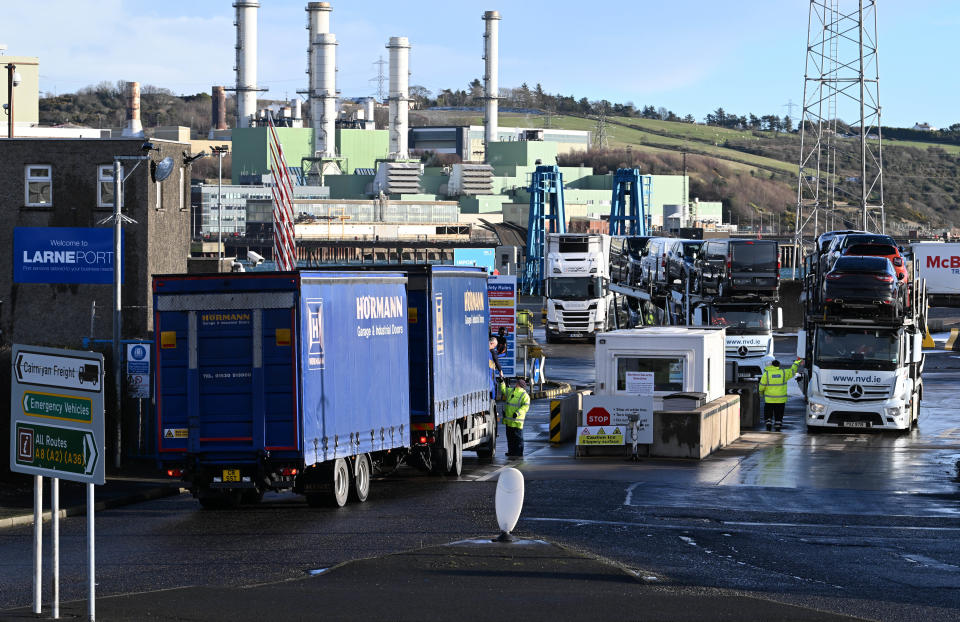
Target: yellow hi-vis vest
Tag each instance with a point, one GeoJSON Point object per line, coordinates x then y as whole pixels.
{"type": "Point", "coordinates": [518, 403]}
{"type": "Point", "coordinates": [773, 383]}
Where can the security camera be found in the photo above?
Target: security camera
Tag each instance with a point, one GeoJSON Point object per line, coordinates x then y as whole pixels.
{"type": "Point", "coordinates": [254, 258]}
{"type": "Point", "coordinates": [236, 266]}
{"type": "Point", "coordinates": [16, 78]}
{"type": "Point", "coordinates": [148, 146]}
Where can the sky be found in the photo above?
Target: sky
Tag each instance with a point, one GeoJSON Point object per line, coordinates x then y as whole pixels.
{"type": "Point", "coordinates": [689, 56]}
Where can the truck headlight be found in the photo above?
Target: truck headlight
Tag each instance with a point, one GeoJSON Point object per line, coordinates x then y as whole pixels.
{"type": "Point", "coordinates": [816, 408]}
{"type": "Point", "coordinates": [896, 411]}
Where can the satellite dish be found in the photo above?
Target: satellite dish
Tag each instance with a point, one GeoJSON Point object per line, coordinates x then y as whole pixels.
{"type": "Point", "coordinates": [161, 170]}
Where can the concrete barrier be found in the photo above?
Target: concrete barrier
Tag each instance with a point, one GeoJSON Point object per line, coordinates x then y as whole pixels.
{"type": "Point", "coordinates": [565, 416]}
{"type": "Point", "coordinates": [697, 433]}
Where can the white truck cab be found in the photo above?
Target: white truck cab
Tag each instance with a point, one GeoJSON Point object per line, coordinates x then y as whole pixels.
{"type": "Point", "coordinates": [863, 376]}
{"type": "Point", "coordinates": [578, 299]}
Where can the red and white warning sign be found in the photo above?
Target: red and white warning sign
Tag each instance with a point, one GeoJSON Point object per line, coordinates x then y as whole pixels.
{"type": "Point", "coordinates": [619, 411]}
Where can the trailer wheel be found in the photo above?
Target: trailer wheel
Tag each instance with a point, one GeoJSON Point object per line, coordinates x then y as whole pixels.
{"type": "Point", "coordinates": [339, 484]}
{"type": "Point", "coordinates": [445, 463]}
{"type": "Point", "coordinates": [456, 449]}
{"type": "Point", "coordinates": [488, 450]}
{"type": "Point", "coordinates": [361, 479]}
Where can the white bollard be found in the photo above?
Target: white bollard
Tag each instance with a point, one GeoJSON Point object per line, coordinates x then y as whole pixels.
{"type": "Point", "coordinates": [509, 502]}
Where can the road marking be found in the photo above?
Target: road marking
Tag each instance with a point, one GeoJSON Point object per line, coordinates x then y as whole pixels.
{"type": "Point", "coordinates": [629, 500]}
{"type": "Point", "coordinates": [923, 560]}
{"type": "Point", "coordinates": [725, 525]}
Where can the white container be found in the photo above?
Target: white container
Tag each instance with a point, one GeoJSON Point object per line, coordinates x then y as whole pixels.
{"type": "Point", "coordinates": [684, 360]}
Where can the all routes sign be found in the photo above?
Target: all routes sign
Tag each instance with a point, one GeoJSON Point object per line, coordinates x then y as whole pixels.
{"type": "Point", "coordinates": [56, 414]}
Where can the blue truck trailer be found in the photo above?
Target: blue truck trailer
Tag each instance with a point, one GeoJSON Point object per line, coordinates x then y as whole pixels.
{"type": "Point", "coordinates": [311, 380]}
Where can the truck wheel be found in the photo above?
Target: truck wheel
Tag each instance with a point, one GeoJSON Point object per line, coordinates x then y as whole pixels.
{"type": "Point", "coordinates": [550, 337]}
{"type": "Point", "coordinates": [456, 449]}
{"type": "Point", "coordinates": [339, 484]}
{"type": "Point", "coordinates": [361, 479]}
{"type": "Point", "coordinates": [488, 450]}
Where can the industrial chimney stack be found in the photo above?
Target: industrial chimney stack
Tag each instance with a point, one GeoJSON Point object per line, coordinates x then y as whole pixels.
{"type": "Point", "coordinates": [218, 109]}
{"type": "Point", "coordinates": [324, 93]}
{"type": "Point", "coordinates": [399, 96]}
{"type": "Point", "coordinates": [491, 83]}
{"type": "Point", "coordinates": [133, 127]}
{"type": "Point", "coordinates": [246, 60]}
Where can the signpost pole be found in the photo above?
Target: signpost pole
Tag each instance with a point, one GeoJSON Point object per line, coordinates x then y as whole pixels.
{"type": "Point", "coordinates": [55, 538]}
{"type": "Point", "coordinates": [90, 553]}
{"type": "Point", "coordinates": [117, 304]}
{"type": "Point", "coordinates": [37, 542]}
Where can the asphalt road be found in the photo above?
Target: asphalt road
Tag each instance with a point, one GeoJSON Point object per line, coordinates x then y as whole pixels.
{"type": "Point", "coordinates": [858, 524]}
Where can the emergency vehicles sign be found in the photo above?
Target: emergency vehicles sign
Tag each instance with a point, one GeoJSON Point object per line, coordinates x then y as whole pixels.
{"type": "Point", "coordinates": [63, 255]}
{"type": "Point", "coordinates": [615, 412]}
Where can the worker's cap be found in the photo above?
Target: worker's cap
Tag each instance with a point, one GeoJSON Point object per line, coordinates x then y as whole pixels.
{"type": "Point", "coordinates": [521, 384]}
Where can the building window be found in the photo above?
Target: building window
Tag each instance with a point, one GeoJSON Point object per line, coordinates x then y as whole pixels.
{"type": "Point", "coordinates": [38, 189]}
{"type": "Point", "coordinates": [667, 372]}
{"type": "Point", "coordinates": [105, 185]}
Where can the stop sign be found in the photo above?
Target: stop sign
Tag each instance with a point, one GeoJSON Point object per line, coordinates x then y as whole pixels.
{"type": "Point", "coordinates": [598, 416]}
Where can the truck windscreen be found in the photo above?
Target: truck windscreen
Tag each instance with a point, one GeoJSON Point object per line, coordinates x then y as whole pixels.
{"type": "Point", "coordinates": [575, 288]}
{"type": "Point", "coordinates": [758, 319]}
{"type": "Point", "coordinates": [857, 349]}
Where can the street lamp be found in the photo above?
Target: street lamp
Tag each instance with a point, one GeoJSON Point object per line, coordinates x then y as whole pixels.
{"type": "Point", "coordinates": [13, 79]}
{"type": "Point", "coordinates": [161, 172]}
{"type": "Point", "coordinates": [220, 151]}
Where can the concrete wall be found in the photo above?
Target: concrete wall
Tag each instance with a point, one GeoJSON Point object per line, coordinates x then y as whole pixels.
{"type": "Point", "coordinates": [697, 433]}
{"type": "Point", "coordinates": [59, 315]}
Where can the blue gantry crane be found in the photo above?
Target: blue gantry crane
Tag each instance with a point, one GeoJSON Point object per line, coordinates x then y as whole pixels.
{"type": "Point", "coordinates": [546, 216]}
{"type": "Point", "coordinates": [630, 205]}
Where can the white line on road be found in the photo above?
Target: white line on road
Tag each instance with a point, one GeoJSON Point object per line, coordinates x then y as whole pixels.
{"type": "Point", "coordinates": [923, 560]}
{"type": "Point", "coordinates": [629, 500]}
{"type": "Point", "coordinates": [724, 525]}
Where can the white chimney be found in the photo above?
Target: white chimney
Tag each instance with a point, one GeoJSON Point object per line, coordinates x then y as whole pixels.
{"type": "Point", "coordinates": [318, 22]}
{"type": "Point", "coordinates": [369, 106]}
{"type": "Point", "coordinates": [133, 127]}
{"type": "Point", "coordinates": [491, 83]}
{"type": "Point", "coordinates": [323, 110]}
{"type": "Point", "coordinates": [297, 107]}
{"type": "Point", "coordinates": [246, 60]}
{"type": "Point", "coordinates": [399, 96]}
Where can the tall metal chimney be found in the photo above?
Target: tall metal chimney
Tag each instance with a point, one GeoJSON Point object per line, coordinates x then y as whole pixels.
{"type": "Point", "coordinates": [218, 109]}
{"type": "Point", "coordinates": [369, 110]}
{"type": "Point", "coordinates": [297, 107]}
{"type": "Point", "coordinates": [324, 91]}
{"type": "Point", "coordinates": [491, 82]}
{"type": "Point", "coordinates": [246, 60]}
{"type": "Point", "coordinates": [133, 127]}
{"type": "Point", "coordinates": [399, 96]}
{"type": "Point", "coordinates": [318, 22]}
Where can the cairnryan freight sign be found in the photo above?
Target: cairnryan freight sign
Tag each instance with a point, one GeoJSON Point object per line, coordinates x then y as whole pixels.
{"type": "Point", "coordinates": [63, 255]}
